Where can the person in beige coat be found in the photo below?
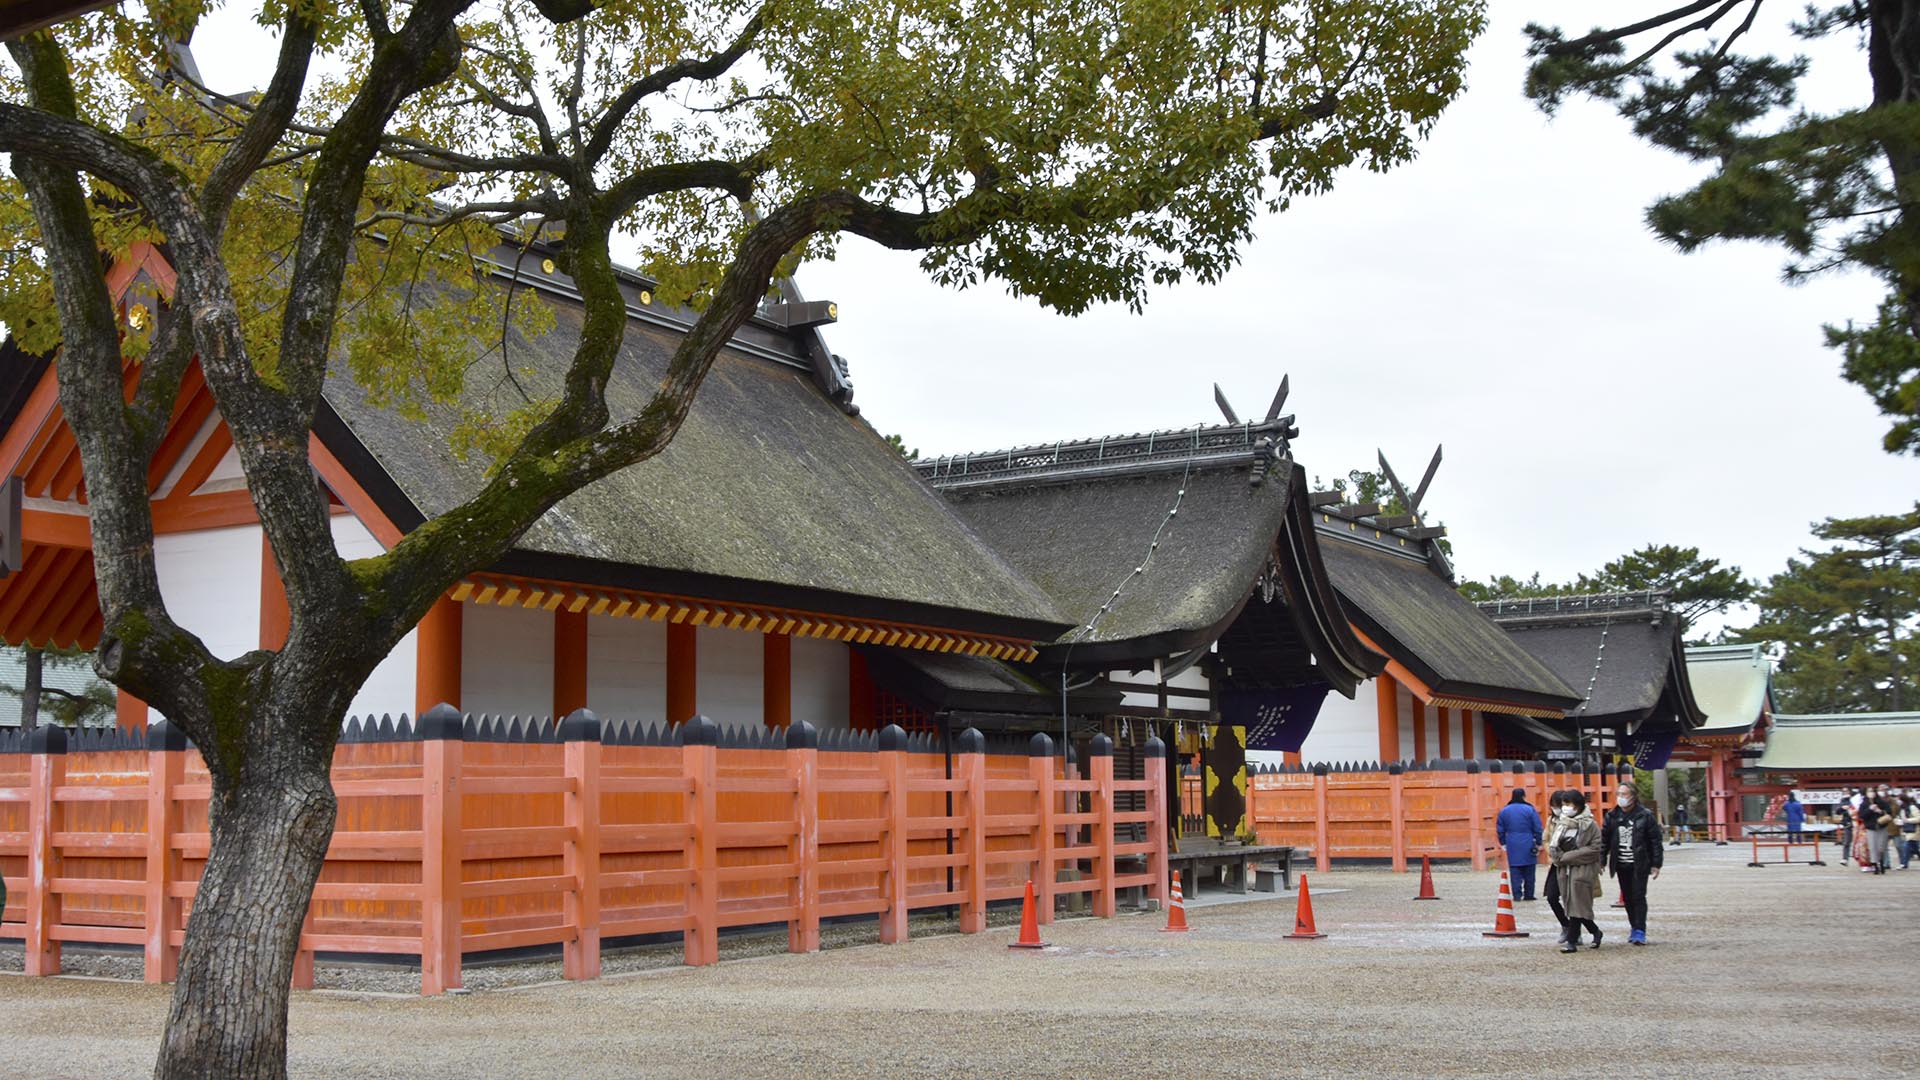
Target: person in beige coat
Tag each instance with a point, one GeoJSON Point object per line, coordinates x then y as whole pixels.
{"type": "Point", "coordinates": [1576, 852]}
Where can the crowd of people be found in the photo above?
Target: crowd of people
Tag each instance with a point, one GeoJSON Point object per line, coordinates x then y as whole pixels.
{"type": "Point", "coordinates": [1876, 825]}
{"type": "Point", "coordinates": [1628, 843]}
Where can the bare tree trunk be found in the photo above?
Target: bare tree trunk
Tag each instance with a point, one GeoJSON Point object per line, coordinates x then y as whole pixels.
{"type": "Point", "coordinates": [270, 836]}
{"type": "Point", "coordinates": [30, 691]}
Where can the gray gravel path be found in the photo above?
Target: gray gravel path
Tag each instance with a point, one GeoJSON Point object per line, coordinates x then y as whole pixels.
{"type": "Point", "coordinates": [1753, 972]}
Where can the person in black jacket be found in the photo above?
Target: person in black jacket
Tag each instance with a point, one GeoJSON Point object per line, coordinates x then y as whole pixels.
{"type": "Point", "coordinates": [1634, 855]}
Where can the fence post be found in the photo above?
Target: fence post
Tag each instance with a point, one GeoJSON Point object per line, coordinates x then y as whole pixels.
{"type": "Point", "coordinates": [1396, 806]}
{"type": "Point", "coordinates": [166, 765]}
{"type": "Point", "coordinates": [1322, 857]}
{"type": "Point", "coordinates": [47, 770]}
{"type": "Point", "coordinates": [698, 739]}
{"type": "Point", "coordinates": [1100, 770]}
{"type": "Point", "coordinates": [442, 754]}
{"type": "Point", "coordinates": [803, 764]}
{"type": "Point", "coordinates": [1477, 851]}
{"type": "Point", "coordinates": [580, 860]}
{"type": "Point", "coordinates": [1155, 754]}
{"type": "Point", "coordinates": [970, 766]}
{"type": "Point", "coordinates": [1040, 764]}
{"type": "Point", "coordinates": [893, 770]}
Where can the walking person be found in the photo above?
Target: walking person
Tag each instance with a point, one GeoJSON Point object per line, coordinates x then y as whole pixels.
{"type": "Point", "coordinates": [1634, 855]}
{"type": "Point", "coordinates": [1680, 822]}
{"type": "Point", "coordinates": [1796, 816]}
{"type": "Point", "coordinates": [1909, 831]}
{"type": "Point", "coordinates": [1873, 827]}
{"type": "Point", "coordinates": [1575, 853]}
{"type": "Point", "coordinates": [1555, 822]}
{"type": "Point", "coordinates": [1518, 830]}
{"type": "Point", "coordinates": [1843, 823]}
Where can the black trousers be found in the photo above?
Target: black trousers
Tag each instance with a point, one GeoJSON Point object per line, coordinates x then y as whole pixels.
{"type": "Point", "coordinates": [1552, 893]}
{"type": "Point", "coordinates": [1633, 889]}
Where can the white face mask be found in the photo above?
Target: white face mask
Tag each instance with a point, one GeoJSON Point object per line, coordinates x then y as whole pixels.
{"type": "Point", "coordinates": [1627, 798]}
{"type": "Point", "coordinates": [1566, 811]}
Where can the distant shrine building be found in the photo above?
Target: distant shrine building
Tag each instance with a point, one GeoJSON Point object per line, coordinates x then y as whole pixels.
{"type": "Point", "coordinates": [780, 561]}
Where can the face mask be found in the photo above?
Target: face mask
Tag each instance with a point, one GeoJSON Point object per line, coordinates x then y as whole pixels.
{"type": "Point", "coordinates": [1566, 811]}
{"type": "Point", "coordinates": [1627, 799]}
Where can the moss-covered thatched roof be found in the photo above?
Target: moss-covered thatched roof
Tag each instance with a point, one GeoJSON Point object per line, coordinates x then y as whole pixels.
{"type": "Point", "coordinates": [769, 492]}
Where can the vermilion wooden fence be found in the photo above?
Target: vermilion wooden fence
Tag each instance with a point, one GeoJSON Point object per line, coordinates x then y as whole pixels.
{"type": "Point", "coordinates": [1445, 809]}
{"type": "Point", "coordinates": [461, 835]}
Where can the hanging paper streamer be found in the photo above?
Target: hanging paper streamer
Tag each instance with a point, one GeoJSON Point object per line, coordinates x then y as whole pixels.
{"type": "Point", "coordinates": [1274, 719]}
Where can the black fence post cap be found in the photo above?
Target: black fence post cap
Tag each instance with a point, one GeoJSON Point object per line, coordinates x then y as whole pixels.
{"type": "Point", "coordinates": [443, 721]}
{"type": "Point", "coordinates": [802, 736]}
{"type": "Point", "coordinates": [1041, 745]}
{"type": "Point", "coordinates": [699, 731]}
{"type": "Point", "coordinates": [1394, 768]}
{"type": "Point", "coordinates": [580, 725]}
{"type": "Point", "coordinates": [893, 737]}
{"type": "Point", "coordinates": [1100, 746]}
{"type": "Point", "coordinates": [1154, 748]}
{"type": "Point", "coordinates": [162, 736]}
{"type": "Point", "coordinates": [970, 741]}
{"type": "Point", "coordinates": [47, 739]}
{"type": "Point", "coordinates": [1319, 768]}
{"type": "Point", "coordinates": [1473, 767]}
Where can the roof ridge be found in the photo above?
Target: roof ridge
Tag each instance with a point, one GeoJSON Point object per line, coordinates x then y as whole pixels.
{"type": "Point", "coordinates": [1256, 443]}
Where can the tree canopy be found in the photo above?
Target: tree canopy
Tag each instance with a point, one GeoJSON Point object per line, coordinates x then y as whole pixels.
{"type": "Point", "coordinates": [1846, 616]}
{"type": "Point", "coordinates": [1838, 190]}
{"type": "Point", "coordinates": [328, 225]}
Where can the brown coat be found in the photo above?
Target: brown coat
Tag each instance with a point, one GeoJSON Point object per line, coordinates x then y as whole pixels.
{"type": "Point", "coordinates": [1579, 867]}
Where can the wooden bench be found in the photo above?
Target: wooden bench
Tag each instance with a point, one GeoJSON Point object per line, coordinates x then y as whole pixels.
{"type": "Point", "coordinates": [1237, 860]}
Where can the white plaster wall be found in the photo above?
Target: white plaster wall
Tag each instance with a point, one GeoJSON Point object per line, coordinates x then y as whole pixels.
{"type": "Point", "coordinates": [506, 660]}
{"type": "Point", "coordinates": [211, 583]}
{"type": "Point", "coordinates": [1410, 714]}
{"type": "Point", "coordinates": [820, 683]}
{"type": "Point", "coordinates": [627, 669]}
{"type": "Point", "coordinates": [728, 667]}
{"type": "Point", "coordinates": [1346, 729]}
{"type": "Point", "coordinates": [390, 688]}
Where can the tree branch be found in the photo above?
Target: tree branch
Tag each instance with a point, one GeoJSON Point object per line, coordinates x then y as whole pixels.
{"type": "Point", "coordinates": [664, 79]}
{"type": "Point", "coordinates": [266, 123]}
{"type": "Point", "coordinates": [735, 178]}
{"type": "Point", "coordinates": [1608, 37]}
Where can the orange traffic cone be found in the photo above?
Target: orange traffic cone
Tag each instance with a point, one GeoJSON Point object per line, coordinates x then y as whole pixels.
{"type": "Point", "coordinates": [1426, 880]}
{"type": "Point", "coordinates": [1303, 915]}
{"type": "Point", "coordinates": [1029, 924]}
{"type": "Point", "coordinates": [1503, 925]}
{"type": "Point", "coordinates": [1176, 909]}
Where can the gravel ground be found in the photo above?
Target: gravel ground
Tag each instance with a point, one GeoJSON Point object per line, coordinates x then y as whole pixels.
{"type": "Point", "coordinates": [1745, 977]}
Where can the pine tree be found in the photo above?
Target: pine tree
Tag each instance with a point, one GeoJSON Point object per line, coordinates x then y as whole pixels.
{"type": "Point", "coordinates": [1838, 190]}
{"type": "Point", "coordinates": [1846, 617]}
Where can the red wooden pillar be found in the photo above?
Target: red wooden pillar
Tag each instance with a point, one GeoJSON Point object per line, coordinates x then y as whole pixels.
{"type": "Point", "coordinates": [436, 679]}
{"type": "Point", "coordinates": [683, 680]}
{"type": "Point", "coordinates": [697, 764]}
{"type": "Point", "coordinates": [1419, 731]}
{"type": "Point", "coordinates": [1475, 809]}
{"type": "Point", "coordinates": [1156, 770]}
{"type": "Point", "coordinates": [776, 679]}
{"type": "Point", "coordinates": [580, 852]}
{"type": "Point", "coordinates": [859, 692]}
{"type": "Point", "coordinates": [1100, 771]}
{"type": "Point", "coordinates": [128, 711]}
{"type": "Point", "coordinates": [1046, 804]}
{"type": "Point", "coordinates": [1396, 811]}
{"type": "Point", "coordinates": [970, 768]}
{"type": "Point", "coordinates": [166, 766]}
{"type": "Point", "coordinates": [442, 854]}
{"type": "Point", "coordinates": [275, 617]}
{"type": "Point", "coordinates": [1322, 855]}
{"type": "Point", "coordinates": [569, 662]}
{"type": "Point", "coordinates": [803, 765]}
{"type": "Point", "coordinates": [1387, 701]}
{"type": "Point", "coordinates": [1291, 757]}
{"type": "Point", "coordinates": [1445, 730]}
{"type": "Point", "coordinates": [47, 770]}
{"type": "Point", "coordinates": [1472, 726]}
{"type": "Point", "coordinates": [893, 772]}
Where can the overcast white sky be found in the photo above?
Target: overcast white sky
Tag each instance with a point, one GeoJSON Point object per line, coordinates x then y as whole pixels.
{"type": "Point", "coordinates": [1595, 390]}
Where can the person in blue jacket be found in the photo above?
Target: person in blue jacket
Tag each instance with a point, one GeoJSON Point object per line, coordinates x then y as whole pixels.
{"type": "Point", "coordinates": [1518, 829]}
{"type": "Point", "coordinates": [1796, 818]}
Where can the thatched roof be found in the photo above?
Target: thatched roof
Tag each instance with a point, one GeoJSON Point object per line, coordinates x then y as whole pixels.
{"type": "Point", "coordinates": [770, 492]}
{"type": "Point", "coordinates": [1407, 609]}
{"type": "Point", "coordinates": [1628, 663]}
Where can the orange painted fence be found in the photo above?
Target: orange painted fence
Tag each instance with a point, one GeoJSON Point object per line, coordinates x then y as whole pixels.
{"type": "Point", "coordinates": [1443, 809]}
{"type": "Point", "coordinates": [459, 835]}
